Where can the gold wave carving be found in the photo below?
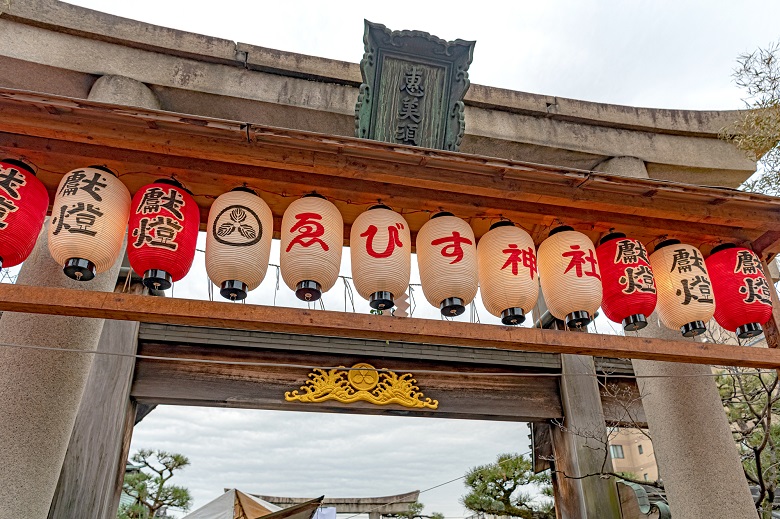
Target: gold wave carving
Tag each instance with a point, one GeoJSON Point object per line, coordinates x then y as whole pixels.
{"type": "Point", "coordinates": [361, 383]}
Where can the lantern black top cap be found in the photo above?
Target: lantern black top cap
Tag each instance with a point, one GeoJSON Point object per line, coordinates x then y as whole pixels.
{"type": "Point", "coordinates": [172, 182]}
{"type": "Point", "coordinates": [104, 168]}
{"type": "Point", "coordinates": [313, 195]}
{"type": "Point", "coordinates": [723, 246]}
{"type": "Point", "coordinates": [19, 164]}
{"type": "Point", "coordinates": [244, 189]}
{"type": "Point", "coordinates": [379, 206]}
{"type": "Point", "coordinates": [561, 228]}
{"type": "Point", "coordinates": [666, 243]}
{"type": "Point", "coordinates": [502, 223]}
{"type": "Point", "coordinates": [611, 236]}
{"type": "Point", "coordinates": [442, 213]}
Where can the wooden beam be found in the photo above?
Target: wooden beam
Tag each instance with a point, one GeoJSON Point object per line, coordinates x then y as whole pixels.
{"type": "Point", "coordinates": [212, 155]}
{"type": "Point", "coordinates": [61, 301]}
{"type": "Point", "coordinates": [462, 392]}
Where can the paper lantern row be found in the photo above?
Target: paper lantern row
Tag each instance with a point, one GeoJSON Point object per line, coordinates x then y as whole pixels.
{"type": "Point", "coordinates": [92, 209]}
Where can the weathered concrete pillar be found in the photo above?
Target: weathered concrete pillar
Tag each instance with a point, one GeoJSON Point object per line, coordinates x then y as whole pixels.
{"type": "Point", "coordinates": [121, 90]}
{"type": "Point", "coordinates": [626, 166]}
{"type": "Point", "coordinates": [696, 455]}
{"type": "Point", "coordinates": [42, 389]}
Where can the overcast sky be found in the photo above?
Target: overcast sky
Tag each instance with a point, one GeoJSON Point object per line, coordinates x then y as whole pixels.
{"type": "Point", "coordinates": [667, 54]}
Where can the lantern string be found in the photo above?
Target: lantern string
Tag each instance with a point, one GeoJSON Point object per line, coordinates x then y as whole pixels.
{"type": "Point", "coordinates": [126, 287]}
{"type": "Point", "coordinates": [141, 356]}
{"type": "Point", "coordinates": [210, 289]}
{"type": "Point", "coordinates": [276, 288]}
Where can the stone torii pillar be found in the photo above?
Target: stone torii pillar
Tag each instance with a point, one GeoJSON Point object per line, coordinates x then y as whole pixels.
{"type": "Point", "coordinates": [696, 455]}
{"type": "Point", "coordinates": [42, 389]}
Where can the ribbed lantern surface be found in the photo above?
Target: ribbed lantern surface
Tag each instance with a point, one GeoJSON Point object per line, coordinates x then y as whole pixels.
{"type": "Point", "coordinates": [742, 292]}
{"type": "Point", "coordinates": [380, 246]}
{"type": "Point", "coordinates": [628, 282]}
{"type": "Point", "coordinates": [570, 277]}
{"type": "Point", "coordinates": [312, 239]}
{"type": "Point", "coordinates": [23, 205]}
{"type": "Point", "coordinates": [508, 275]}
{"type": "Point", "coordinates": [238, 242]}
{"type": "Point", "coordinates": [685, 299]}
{"type": "Point", "coordinates": [164, 222]}
{"type": "Point", "coordinates": [88, 221]}
{"type": "Point", "coordinates": [447, 258]}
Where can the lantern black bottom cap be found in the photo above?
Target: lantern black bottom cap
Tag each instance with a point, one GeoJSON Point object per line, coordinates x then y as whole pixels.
{"type": "Point", "coordinates": [513, 316]}
{"type": "Point", "coordinates": [578, 319]}
{"type": "Point", "coordinates": [79, 269]}
{"type": "Point", "coordinates": [381, 300]}
{"type": "Point", "coordinates": [693, 328]}
{"type": "Point", "coordinates": [308, 291]}
{"type": "Point", "coordinates": [155, 279]}
{"type": "Point", "coordinates": [634, 323]}
{"type": "Point", "coordinates": [234, 290]}
{"type": "Point", "coordinates": [746, 331]}
{"type": "Point", "coordinates": [452, 307]}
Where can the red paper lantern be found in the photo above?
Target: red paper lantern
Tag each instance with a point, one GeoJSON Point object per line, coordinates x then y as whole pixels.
{"type": "Point", "coordinates": [23, 205]}
{"type": "Point", "coordinates": [164, 222]}
{"type": "Point", "coordinates": [743, 300]}
{"type": "Point", "coordinates": [629, 293]}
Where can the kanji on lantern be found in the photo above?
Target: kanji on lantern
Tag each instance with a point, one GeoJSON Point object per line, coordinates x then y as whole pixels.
{"type": "Point", "coordinates": [23, 205]}
{"type": "Point", "coordinates": [508, 280]}
{"type": "Point", "coordinates": [88, 221]}
{"type": "Point", "coordinates": [312, 239]}
{"type": "Point", "coordinates": [742, 292]}
{"type": "Point", "coordinates": [570, 277]}
{"type": "Point", "coordinates": [163, 233]}
{"type": "Point", "coordinates": [685, 295]}
{"type": "Point", "coordinates": [629, 291]}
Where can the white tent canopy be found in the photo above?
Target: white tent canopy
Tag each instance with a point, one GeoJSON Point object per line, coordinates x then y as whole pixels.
{"type": "Point", "coordinates": [235, 504]}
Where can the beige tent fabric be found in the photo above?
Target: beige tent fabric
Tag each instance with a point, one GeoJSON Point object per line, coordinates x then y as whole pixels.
{"type": "Point", "coordinates": [248, 508]}
{"type": "Point", "coordinates": [234, 504]}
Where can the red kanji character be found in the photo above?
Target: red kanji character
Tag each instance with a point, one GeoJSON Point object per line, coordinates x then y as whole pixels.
{"type": "Point", "coordinates": [393, 240]}
{"type": "Point", "coordinates": [454, 250]}
{"type": "Point", "coordinates": [309, 230]}
{"type": "Point", "coordinates": [517, 255]}
{"type": "Point", "coordinates": [578, 259]}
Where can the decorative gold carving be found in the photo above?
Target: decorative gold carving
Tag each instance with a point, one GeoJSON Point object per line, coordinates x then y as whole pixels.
{"type": "Point", "coordinates": [362, 383]}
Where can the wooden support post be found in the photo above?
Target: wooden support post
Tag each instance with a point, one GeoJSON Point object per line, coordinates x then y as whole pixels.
{"type": "Point", "coordinates": [91, 479]}
{"type": "Point", "coordinates": [771, 328]}
{"type": "Point", "coordinates": [580, 448]}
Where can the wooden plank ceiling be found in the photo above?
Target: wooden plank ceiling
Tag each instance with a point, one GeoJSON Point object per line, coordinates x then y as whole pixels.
{"type": "Point", "coordinates": [211, 156]}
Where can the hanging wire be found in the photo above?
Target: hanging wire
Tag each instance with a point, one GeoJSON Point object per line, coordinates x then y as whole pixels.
{"type": "Point", "coordinates": [276, 288]}
{"type": "Point", "coordinates": [210, 289]}
{"type": "Point", "coordinates": [348, 293]}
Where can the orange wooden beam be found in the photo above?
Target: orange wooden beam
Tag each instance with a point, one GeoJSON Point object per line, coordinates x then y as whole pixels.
{"type": "Point", "coordinates": [61, 301]}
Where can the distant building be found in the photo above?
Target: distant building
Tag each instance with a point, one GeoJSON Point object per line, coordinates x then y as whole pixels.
{"type": "Point", "coordinates": [632, 452]}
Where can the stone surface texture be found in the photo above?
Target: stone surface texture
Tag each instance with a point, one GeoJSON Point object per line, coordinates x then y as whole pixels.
{"type": "Point", "coordinates": [120, 90]}
{"type": "Point", "coordinates": [42, 388]}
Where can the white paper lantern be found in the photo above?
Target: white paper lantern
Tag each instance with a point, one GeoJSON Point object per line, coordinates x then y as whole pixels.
{"type": "Point", "coordinates": [447, 257]}
{"type": "Point", "coordinates": [312, 238]}
{"type": "Point", "coordinates": [238, 242]}
{"type": "Point", "coordinates": [508, 277]}
{"type": "Point", "coordinates": [381, 250]}
{"type": "Point", "coordinates": [88, 221]}
{"type": "Point", "coordinates": [570, 277]}
{"type": "Point", "coordinates": [685, 300]}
